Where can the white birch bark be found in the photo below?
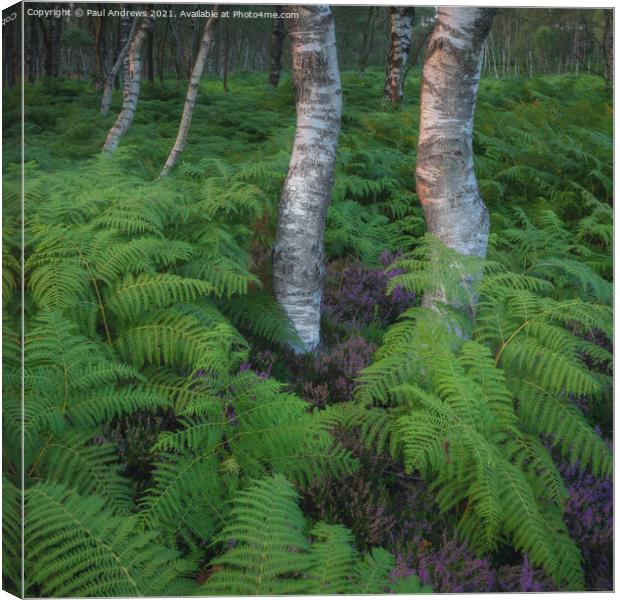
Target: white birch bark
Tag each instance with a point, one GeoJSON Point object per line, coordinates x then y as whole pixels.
{"type": "Point", "coordinates": [445, 179]}
{"type": "Point", "coordinates": [131, 95]}
{"type": "Point", "coordinates": [206, 45]}
{"type": "Point", "coordinates": [298, 256]}
{"type": "Point", "coordinates": [106, 99]}
{"type": "Point", "coordinates": [401, 31]}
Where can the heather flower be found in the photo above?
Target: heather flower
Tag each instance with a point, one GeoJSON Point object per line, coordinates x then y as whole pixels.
{"type": "Point", "coordinates": [453, 568]}
{"type": "Point", "coordinates": [355, 294]}
{"type": "Point", "coordinates": [523, 578]}
{"type": "Point", "coordinates": [332, 377]}
{"type": "Point", "coordinates": [589, 518]}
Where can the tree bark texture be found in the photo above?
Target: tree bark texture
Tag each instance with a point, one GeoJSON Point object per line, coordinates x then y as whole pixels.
{"type": "Point", "coordinates": [127, 23]}
{"type": "Point", "coordinates": [401, 27]}
{"type": "Point", "coordinates": [298, 256]}
{"type": "Point", "coordinates": [130, 99]}
{"type": "Point", "coordinates": [445, 179]}
{"type": "Point", "coordinates": [106, 99]}
{"type": "Point", "coordinates": [192, 91]}
{"type": "Point", "coordinates": [275, 55]}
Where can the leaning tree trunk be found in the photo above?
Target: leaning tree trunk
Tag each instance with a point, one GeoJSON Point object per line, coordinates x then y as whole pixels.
{"type": "Point", "coordinates": [275, 55]}
{"type": "Point", "coordinates": [192, 91]}
{"type": "Point", "coordinates": [130, 100]}
{"type": "Point", "coordinates": [401, 25]}
{"type": "Point", "coordinates": [445, 179]}
{"type": "Point", "coordinates": [298, 257]}
{"type": "Point", "coordinates": [106, 99]}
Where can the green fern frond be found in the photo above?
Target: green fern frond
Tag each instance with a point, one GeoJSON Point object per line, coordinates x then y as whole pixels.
{"type": "Point", "coordinates": [333, 560]}
{"type": "Point", "coordinates": [185, 503]}
{"type": "Point", "coordinates": [179, 337]}
{"type": "Point", "coordinates": [133, 296]}
{"type": "Point", "coordinates": [554, 415]}
{"type": "Point", "coordinates": [11, 534]}
{"type": "Point", "coordinates": [80, 461]}
{"type": "Point", "coordinates": [266, 527]}
{"type": "Point", "coordinates": [77, 547]}
{"type": "Point", "coordinates": [263, 316]}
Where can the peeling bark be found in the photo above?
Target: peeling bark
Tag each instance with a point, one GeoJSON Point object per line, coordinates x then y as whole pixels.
{"type": "Point", "coordinates": [401, 25]}
{"type": "Point", "coordinates": [192, 92]}
{"type": "Point", "coordinates": [106, 99]}
{"type": "Point", "coordinates": [298, 256]}
{"type": "Point", "coordinates": [130, 99]}
{"type": "Point", "coordinates": [275, 55]}
{"type": "Point", "coordinates": [445, 179]}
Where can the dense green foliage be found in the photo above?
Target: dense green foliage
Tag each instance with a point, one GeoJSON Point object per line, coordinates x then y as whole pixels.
{"type": "Point", "coordinates": [145, 297]}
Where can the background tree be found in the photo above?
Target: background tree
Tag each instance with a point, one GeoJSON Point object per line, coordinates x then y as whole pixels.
{"type": "Point", "coordinates": [523, 42]}
{"type": "Point", "coordinates": [100, 51]}
{"type": "Point", "coordinates": [445, 179]}
{"type": "Point", "coordinates": [401, 29]}
{"type": "Point", "coordinates": [298, 256]}
{"type": "Point", "coordinates": [192, 91]}
{"type": "Point", "coordinates": [131, 95]}
{"type": "Point", "coordinates": [275, 52]}
{"type": "Point", "coordinates": [106, 99]}
{"type": "Point", "coordinates": [608, 44]}
{"type": "Point", "coordinates": [125, 37]}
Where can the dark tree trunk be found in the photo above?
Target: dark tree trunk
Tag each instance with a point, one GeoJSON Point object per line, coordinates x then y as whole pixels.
{"type": "Point", "coordinates": [48, 64]}
{"type": "Point", "coordinates": [150, 63]}
{"type": "Point", "coordinates": [608, 45]}
{"type": "Point", "coordinates": [100, 70]}
{"type": "Point", "coordinates": [275, 54]}
{"type": "Point", "coordinates": [368, 40]}
{"type": "Point", "coordinates": [177, 50]}
{"type": "Point", "coordinates": [32, 55]}
{"type": "Point", "coordinates": [298, 255]}
{"type": "Point", "coordinates": [56, 26]}
{"type": "Point", "coordinates": [161, 53]}
{"type": "Point", "coordinates": [226, 53]}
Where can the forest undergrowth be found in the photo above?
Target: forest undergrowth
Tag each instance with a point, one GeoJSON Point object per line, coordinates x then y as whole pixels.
{"type": "Point", "coordinates": [171, 439]}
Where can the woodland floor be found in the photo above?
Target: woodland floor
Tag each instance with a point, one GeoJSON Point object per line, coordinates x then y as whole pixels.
{"type": "Point", "coordinates": [534, 139]}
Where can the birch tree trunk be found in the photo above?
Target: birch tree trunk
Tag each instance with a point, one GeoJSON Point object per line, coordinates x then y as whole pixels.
{"type": "Point", "coordinates": [192, 91]}
{"type": "Point", "coordinates": [445, 179]}
{"type": "Point", "coordinates": [401, 25]}
{"type": "Point", "coordinates": [275, 55]}
{"type": "Point", "coordinates": [106, 99]}
{"type": "Point", "coordinates": [130, 99]}
{"type": "Point", "coordinates": [127, 23]}
{"type": "Point", "coordinates": [298, 256]}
